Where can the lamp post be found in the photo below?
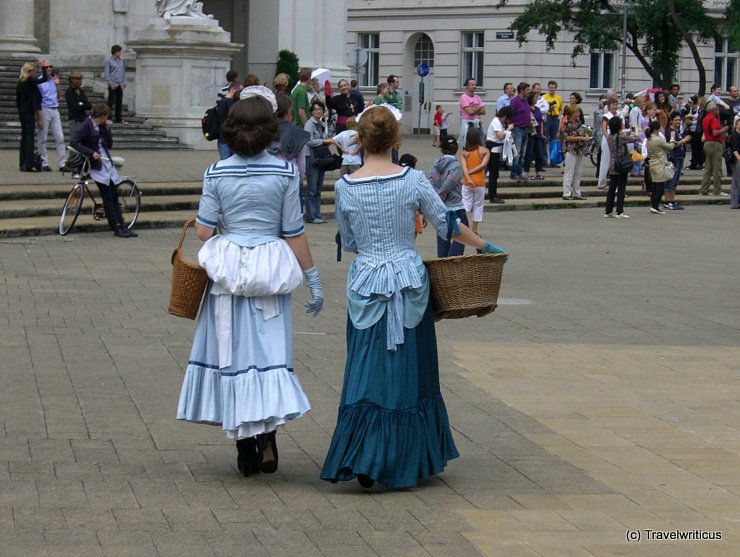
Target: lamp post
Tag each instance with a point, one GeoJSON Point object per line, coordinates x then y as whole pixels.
{"type": "Point", "coordinates": [625, 9]}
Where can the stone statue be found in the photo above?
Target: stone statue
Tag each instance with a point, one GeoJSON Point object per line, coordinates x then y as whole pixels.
{"type": "Point", "coordinates": [187, 8]}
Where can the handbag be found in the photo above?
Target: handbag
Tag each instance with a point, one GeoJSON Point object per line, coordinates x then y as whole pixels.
{"type": "Point", "coordinates": [637, 156]}
{"type": "Point", "coordinates": [189, 281]}
{"type": "Point", "coordinates": [669, 171]}
{"type": "Point", "coordinates": [324, 158]}
{"type": "Point", "coordinates": [556, 152]}
{"type": "Point", "coordinates": [623, 162]}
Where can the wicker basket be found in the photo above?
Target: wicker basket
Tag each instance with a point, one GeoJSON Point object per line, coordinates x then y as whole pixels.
{"type": "Point", "coordinates": [465, 286]}
{"type": "Point", "coordinates": [189, 281]}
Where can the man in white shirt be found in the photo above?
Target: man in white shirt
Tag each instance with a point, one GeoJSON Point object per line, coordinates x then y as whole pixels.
{"type": "Point", "coordinates": [505, 99]}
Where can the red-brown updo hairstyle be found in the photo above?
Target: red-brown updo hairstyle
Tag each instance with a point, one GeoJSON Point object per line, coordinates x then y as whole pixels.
{"type": "Point", "coordinates": [378, 130]}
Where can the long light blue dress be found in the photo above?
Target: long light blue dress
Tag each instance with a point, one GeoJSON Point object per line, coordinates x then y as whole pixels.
{"type": "Point", "coordinates": [252, 388]}
{"type": "Point", "coordinates": [392, 424]}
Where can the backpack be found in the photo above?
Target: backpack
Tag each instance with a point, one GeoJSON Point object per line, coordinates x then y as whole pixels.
{"type": "Point", "coordinates": [622, 160]}
{"type": "Point", "coordinates": [210, 124]}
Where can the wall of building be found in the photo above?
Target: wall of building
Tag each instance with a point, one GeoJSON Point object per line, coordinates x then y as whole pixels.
{"type": "Point", "coordinates": [399, 22]}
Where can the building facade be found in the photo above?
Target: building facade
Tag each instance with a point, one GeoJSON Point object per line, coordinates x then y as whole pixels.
{"type": "Point", "coordinates": [175, 66]}
{"type": "Point", "coordinates": [458, 39]}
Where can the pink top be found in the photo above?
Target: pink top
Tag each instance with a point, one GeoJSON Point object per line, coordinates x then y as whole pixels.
{"type": "Point", "coordinates": [466, 101]}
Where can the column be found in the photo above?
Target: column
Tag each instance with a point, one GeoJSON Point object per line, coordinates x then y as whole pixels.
{"type": "Point", "coordinates": [16, 27]}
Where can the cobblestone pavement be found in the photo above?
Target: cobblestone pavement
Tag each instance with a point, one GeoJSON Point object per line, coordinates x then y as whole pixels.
{"type": "Point", "coordinates": [598, 402]}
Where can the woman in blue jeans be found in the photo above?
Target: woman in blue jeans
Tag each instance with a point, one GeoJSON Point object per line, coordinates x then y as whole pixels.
{"type": "Point", "coordinates": [315, 174]}
{"type": "Point", "coordinates": [677, 156]}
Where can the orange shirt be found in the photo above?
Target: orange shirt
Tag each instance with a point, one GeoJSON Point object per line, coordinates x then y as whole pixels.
{"type": "Point", "coordinates": [475, 159]}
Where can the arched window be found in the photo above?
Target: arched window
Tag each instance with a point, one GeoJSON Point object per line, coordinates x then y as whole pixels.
{"type": "Point", "coordinates": [424, 51]}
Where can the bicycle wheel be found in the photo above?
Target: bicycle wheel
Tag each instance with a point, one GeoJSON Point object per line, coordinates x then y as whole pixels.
{"type": "Point", "coordinates": [71, 209]}
{"type": "Point", "coordinates": [129, 198]}
{"type": "Point", "coordinates": [595, 156]}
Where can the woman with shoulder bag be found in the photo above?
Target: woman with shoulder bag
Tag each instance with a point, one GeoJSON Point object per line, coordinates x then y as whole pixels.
{"type": "Point", "coordinates": [620, 163]}
{"type": "Point", "coordinates": [314, 172]}
{"type": "Point", "coordinates": [660, 169]}
{"type": "Point", "coordinates": [675, 132]}
{"type": "Point", "coordinates": [240, 371]}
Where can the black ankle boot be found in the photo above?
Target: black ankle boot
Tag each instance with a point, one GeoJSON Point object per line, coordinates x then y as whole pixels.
{"type": "Point", "coordinates": [247, 459]}
{"type": "Point", "coordinates": [267, 444]}
{"type": "Point", "coordinates": [365, 481]}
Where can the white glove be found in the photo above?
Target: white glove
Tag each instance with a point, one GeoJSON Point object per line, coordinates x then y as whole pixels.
{"type": "Point", "coordinates": [316, 303]}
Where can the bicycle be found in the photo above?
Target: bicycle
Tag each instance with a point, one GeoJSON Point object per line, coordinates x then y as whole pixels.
{"type": "Point", "coordinates": [592, 146]}
{"type": "Point", "coordinates": [129, 196]}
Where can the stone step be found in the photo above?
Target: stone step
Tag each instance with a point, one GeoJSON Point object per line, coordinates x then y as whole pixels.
{"type": "Point", "coordinates": [134, 143]}
{"type": "Point", "coordinates": [160, 212]}
{"type": "Point", "coordinates": [137, 135]}
{"type": "Point", "coordinates": [32, 192]}
{"type": "Point", "coordinates": [60, 191]}
{"type": "Point", "coordinates": [20, 208]}
{"type": "Point", "coordinates": [46, 225]}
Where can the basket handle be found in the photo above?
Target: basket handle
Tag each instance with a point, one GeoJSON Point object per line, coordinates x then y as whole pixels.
{"type": "Point", "coordinates": [188, 223]}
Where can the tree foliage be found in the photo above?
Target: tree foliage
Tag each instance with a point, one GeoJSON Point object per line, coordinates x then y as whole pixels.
{"type": "Point", "coordinates": [287, 63]}
{"type": "Point", "coordinates": [732, 24]}
{"type": "Point", "coordinates": [656, 30]}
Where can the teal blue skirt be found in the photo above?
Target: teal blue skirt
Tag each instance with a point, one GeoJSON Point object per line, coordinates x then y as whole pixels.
{"type": "Point", "coordinates": [392, 424]}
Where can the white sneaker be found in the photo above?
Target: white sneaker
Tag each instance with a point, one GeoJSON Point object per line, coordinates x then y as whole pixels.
{"type": "Point", "coordinates": [723, 194]}
{"type": "Point", "coordinates": [608, 216]}
{"type": "Point", "coordinates": [656, 211]}
{"type": "Point", "coordinates": [622, 216]}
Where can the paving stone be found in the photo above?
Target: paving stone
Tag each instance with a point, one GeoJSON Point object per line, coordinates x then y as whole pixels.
{"type": "Point", "coordinates": [148, 520]}
{"type": "Point", "coordinates": [38, 520]}
{"type": "Point", "coordinates": [578, 414]}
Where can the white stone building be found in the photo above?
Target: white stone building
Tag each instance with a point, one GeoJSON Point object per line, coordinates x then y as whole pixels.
{"type": "Point", "coordinates": [175, 66]}
{"type": "Point", "coordinates": [174, 72]}
{"type": "Point", "coordinates": [470, 38]}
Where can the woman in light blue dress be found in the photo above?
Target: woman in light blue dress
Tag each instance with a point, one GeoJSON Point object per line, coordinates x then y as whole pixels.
{"type": "Point", "coordinates": [240, 372]}
{"type": "Point", "coordinates": [392, 425]}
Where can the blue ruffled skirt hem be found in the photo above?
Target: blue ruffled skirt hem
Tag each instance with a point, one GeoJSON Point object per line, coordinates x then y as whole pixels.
{"type": "Point", "coordinates": [392, 424]}
{"type": "Point", "coordinates": [258, 391]}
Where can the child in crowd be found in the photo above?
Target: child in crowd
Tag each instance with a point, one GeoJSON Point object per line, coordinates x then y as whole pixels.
{"type": "Point", "coordinates": [349, 146]}
{"type": "Point", "coordinates": [440, 125]}
{"type": "Point", "coordinates": [407, 159]}
{"type": "Point", "coordinates": [382, 93]}
{"type": "Point", "coordinates": [446, 178]}
{"type": "Point", "coordinates": [473, 162]}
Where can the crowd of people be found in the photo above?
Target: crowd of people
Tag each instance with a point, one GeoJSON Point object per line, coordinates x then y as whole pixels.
{"type": "Point", "coordinates": [533, 128]}
{"type": "Point", "coordinates": [38, 94]}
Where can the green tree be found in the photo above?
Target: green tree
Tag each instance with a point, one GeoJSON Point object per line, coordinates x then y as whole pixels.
{"type": "Point", "coordinates": [656, 30]}
{"type": "Point", "coordinates": [287, 63]}
{"type": "Point", "coordinates": [732, 24]}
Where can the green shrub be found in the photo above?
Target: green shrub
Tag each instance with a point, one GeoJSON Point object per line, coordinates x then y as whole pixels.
{"type": "Point", "coordinates": [287, 63]}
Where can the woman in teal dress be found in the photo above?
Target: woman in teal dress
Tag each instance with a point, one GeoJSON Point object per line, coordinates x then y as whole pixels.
{"type": "Point", "coordinates": [392, 425]}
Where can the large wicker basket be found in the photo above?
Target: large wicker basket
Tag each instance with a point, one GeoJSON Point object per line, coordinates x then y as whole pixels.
{"type": "Point", "coordinates": [465, 286]}
{"type": "Point", "coordinates": [189, 281]}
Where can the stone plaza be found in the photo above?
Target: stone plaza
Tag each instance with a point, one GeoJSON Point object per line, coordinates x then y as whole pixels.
{"type": "Point", "coordinates": [596, 411]}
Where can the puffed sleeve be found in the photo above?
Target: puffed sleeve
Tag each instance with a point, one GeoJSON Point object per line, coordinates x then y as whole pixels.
{"type": "Point", "coordinates": [210, 206]}
{"type": "Point", "coordinates": [292, 219]}
{"type": "Point", "coordinates": [431, 205]}
{"type": "Point", "coordinates": [348, 238]}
